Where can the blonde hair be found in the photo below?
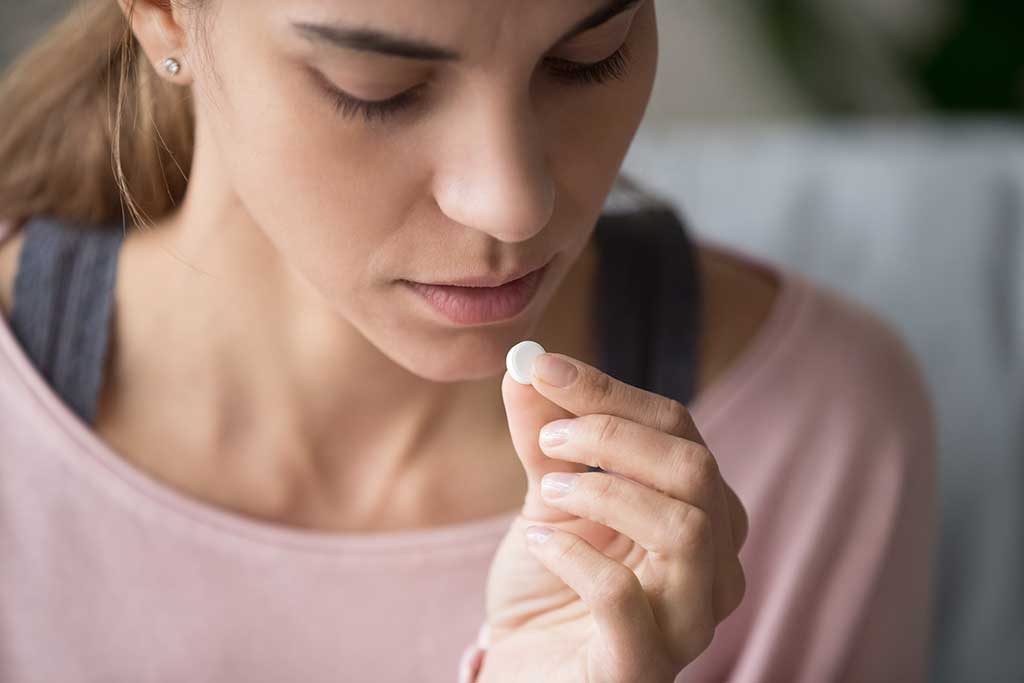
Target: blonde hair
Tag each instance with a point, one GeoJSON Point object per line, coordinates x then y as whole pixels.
{"type": "Point", "coordinates": [88, 129]}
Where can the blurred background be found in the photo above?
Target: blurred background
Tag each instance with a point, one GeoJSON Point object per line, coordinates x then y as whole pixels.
{"type": "Point", "coordinates": [879, 147]}
{"type": "Point", "coordinates": [754, 60]}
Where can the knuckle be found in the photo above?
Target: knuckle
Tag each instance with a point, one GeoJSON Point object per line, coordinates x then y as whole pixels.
{"type": "Point", "coordinates": [673, 417]}
{"type": "Point", "coordinates": [692, 527]}
{"type": "Point", "coordinates": [570, 549]}
{"type": "Point", "coordinates": [616, 587]}
{"type": "Point", "coordinates": [704, 467]}
{"type": "Point", "coordinates": [694, 465]}
{"type": "Point", "coordinates": [600, 484]}
{"type": "Point", "coordinates": [607, 428]}
{"type": "Point", "coordinates": [600, 387]}
{"type": "Point", "coordinates": [680, 458]}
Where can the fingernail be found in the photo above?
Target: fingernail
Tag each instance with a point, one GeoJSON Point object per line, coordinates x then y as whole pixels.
{"type": "Point", "coordinates": [554, 370]}
{"type": "Point", "coordinates": [558, 484]}
{"type": "Point", "coordinates": [554, 433]}
{"type": "Point", "coordinates": [538, 534]}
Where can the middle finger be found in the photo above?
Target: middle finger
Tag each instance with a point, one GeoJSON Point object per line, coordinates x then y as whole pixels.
{"type": "Point", "coordinates": [682, 469]}
{"type": "Point", "coordinates": [664, 526]}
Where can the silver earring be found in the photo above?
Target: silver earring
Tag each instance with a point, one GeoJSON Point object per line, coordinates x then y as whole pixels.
{"type": "Point", "coordinates": [172, 66]}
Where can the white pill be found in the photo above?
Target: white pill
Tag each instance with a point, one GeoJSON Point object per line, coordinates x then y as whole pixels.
{"type": "Point", "coordinates": [520, 360]}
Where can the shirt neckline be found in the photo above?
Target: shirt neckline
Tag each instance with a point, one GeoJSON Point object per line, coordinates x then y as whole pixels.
{"type": "Point", "coordinates": [473, 535]}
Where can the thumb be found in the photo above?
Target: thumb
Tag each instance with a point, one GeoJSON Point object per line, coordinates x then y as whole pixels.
{"type": "Point", "coordinates": [527, 411]}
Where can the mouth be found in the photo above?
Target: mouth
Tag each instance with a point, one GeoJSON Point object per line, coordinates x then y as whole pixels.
{"type": "Point", "coordinates": [485, 281]}
{"type": "Point", "coordinates": [476, 304]}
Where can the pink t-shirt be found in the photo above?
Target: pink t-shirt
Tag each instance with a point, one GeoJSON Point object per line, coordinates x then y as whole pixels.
{"type": "Point", "coordinates": [823, 427]}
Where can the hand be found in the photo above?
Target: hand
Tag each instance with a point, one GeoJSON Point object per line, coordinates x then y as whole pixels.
{"type": "Point", "coordinates": [642, 564]}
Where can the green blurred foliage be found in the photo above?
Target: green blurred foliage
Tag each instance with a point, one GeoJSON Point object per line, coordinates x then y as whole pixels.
{"type": "Point", "coordinates": [975, 65]}
{"type": "Point", "coordinates": [980, 64]}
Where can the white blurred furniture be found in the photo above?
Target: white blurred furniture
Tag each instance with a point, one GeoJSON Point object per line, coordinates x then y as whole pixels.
{"type": "Point", "coordinates": [924, 222]}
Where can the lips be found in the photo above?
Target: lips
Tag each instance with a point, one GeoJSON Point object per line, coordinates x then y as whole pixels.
{"type": "Point", "coordinates": [488, 280]}
{"type": "Point", "coordinates": [480, 305]}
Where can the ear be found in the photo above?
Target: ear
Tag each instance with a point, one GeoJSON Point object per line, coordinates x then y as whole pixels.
{"type": "Point", "coordinates": [159, 28]}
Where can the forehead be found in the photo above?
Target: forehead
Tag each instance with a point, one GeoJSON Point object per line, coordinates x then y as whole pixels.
{"type": "Point", "coordinates": [474, 29]}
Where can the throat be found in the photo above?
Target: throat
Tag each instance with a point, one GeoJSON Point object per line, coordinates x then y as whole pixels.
{"type": "Point", "coordinates": [480, 478]}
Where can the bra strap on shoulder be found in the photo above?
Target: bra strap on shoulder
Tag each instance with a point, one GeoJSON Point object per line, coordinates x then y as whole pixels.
{"type": "Point", "coordinates": [648, 314]}
{"type": "Point", "coordinates": [63, 300]}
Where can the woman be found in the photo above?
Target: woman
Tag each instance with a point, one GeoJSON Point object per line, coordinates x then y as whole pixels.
{"type": "Point", "coordinates": [256, 433]}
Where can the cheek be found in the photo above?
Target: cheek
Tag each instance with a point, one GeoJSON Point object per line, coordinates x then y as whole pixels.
{"type": "Point", "coordinates": [592, 126]}
{"type": "Point", "coordinates": [324, 191]}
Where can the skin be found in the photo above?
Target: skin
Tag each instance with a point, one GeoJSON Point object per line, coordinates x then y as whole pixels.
{"type": "Point", "coordinates": [300, 383]}
{"type": "Point", "coordinates": [297, 223]}
{"type": "Point", "coordinates": [642, 560]}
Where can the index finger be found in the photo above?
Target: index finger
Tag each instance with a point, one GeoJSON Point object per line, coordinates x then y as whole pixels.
{"type": "Point", "coordinates": [593, 391]}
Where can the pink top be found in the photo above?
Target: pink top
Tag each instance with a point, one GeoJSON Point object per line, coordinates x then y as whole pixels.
{"type": "Point", "coordinates": [823, 427]}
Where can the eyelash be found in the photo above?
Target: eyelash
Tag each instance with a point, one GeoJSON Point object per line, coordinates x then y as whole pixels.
{"type": "Point", "coordinates": [573, 73]}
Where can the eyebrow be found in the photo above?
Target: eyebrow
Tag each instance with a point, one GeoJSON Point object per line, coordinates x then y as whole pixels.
{"type": "Point", "coordinates": [373, 40]}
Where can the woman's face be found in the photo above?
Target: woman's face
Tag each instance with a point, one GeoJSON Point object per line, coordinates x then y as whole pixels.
{"type": "Point", "coordinates": [494, 158]}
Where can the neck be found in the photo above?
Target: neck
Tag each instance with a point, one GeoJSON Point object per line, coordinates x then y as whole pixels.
{"type": "Point", "coordinates": [242, 370]}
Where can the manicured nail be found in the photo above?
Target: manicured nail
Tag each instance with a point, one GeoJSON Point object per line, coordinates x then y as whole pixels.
{"type": "Point", "coordinates": [554, 433]}
{"type": "Point", "coordinates": [554, 370]}
{"type": "Point", "coordinates": [558, 484]}
{"type": "Point", "coordinates": [538, 534]}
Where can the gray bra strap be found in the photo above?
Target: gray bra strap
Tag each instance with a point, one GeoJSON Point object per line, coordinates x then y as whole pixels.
{"type": "Point", "coordinates": [648, 303]}
{"type": "Point", "coordinates": [63, 299]}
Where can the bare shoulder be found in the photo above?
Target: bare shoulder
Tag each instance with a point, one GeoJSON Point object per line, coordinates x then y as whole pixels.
{"type": "Point", "coordinates": [10, 251]}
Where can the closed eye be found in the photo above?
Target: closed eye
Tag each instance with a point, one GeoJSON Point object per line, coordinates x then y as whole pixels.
{"type": "Point", "coordinates": [615, 67]}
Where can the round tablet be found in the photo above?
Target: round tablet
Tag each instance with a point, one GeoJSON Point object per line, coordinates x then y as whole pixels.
{"type": "Point", "coordinates": [520, 360]}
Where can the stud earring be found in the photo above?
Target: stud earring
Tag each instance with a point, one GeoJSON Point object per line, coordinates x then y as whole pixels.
{"type": "Point", "coordinates": [172, 66]}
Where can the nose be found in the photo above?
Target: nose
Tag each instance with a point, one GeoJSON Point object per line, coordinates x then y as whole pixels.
{"type": "Point", "coordinates": [495, 175]}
